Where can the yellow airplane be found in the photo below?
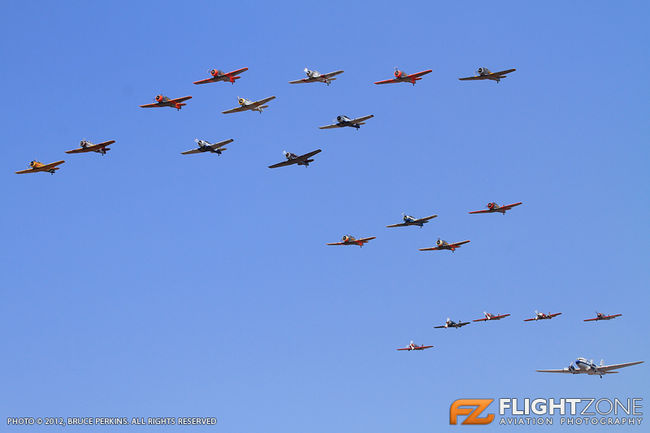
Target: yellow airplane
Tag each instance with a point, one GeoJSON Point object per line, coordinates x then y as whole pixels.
{"type": "Point", "coordinates": [40, 167]}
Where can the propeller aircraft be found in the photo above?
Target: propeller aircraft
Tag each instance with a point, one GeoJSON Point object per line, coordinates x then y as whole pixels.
{"type": "Point", "coordinates": [343, 121]}
{"type": "Point", "coordinates": [451, 324]}
{"type": "Point", "coordinates": [36, 167]}
{"type": "Point", "coordinates": [582, 366]}
{"type": "Point", "coordinates": [218, 75]}
{"type": "Point", "coordinates": [351, 240]}
{"type": "Point", "coordinates": [494, 207]}
{"type": "Point", "coordinates": [206, 146]}
{"type": "Point", "coordinates": [489, 316]}
{"type": "Point", "coordinates": [444, 245]}
{"type": "Point", "coordinates": [486, 74]}
{"type": "Point", "coordinates": [403, 77]}
{"type": "Point", "coordinates": [292, 158]}
{"type": "Point", "coordinates": [412, 221]}
{"type": "Point", "coordinates": [164, 101]}
{"type": "Point", "coordinates": [315, 76]}
{"type": "Point", "coordinates": [413, 346]}
{"type": "Point", "coordinates": [601, 316]}
{"type": "Point", "coordinates": [87, 146]}
{"type": "Point", "coordinates": [542, 316]}
{"type": "Point", "coordinates": [247, 104]}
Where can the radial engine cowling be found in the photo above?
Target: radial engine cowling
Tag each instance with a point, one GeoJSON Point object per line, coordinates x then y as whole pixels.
{"type": "Point", "coordinates": [491, 205]}
{"type": "Point", "coordinates": [214, 72]}
{"type": "Point", "coordinates": [482, 71]}
{"type": "Point", "coordinates": [159, 98]}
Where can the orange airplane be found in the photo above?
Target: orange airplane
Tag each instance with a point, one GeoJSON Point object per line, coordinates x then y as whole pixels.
{"type": "Point", "coordinates": [351, 240]}
{"type": "Point", "coordinates": [494, 207]}
{"type": "Point", "coordinates": [164, 101]}
{"type": "Point", "coordinates": [87, 146]}
{"type": "Point", "coordinates": [36, 167]}
{"type": "Point", "coordinates": [218, 75]}
{"type": "Point", "coordinates": [403, 77]}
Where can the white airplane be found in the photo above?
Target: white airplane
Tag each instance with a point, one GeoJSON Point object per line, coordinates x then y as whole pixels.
{"type": "Point", "coordinates": [343, 121]}
{"type": "Point", "coordinates": [206, 146]}
{"type": "Point", "coordinates": [582, 366]}
{"type": "Point", "coordinates": [412, 221]}
{"type": "Point", "coordinates": [247, 104]}
{"type": "Point", "coordinates": [451, 324]}
{"type": "Point", "coordinates": [315, 76]}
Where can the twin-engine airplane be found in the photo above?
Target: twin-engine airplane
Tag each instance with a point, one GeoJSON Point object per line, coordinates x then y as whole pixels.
{"type": "Point", "coordinates": [36, 167]}
{"type": "Point", "coordinates": [164, 101]}
{"type": "Point", "coordinates": [218, 75]}
{"type": "Point", "coordinates": [292, 158]}
{"type": "Point", "coordinates": [489, 316]}
{"type": "Point", "coordinates": [315, 76]}
{"type": "Point", "coordinates": [413, 346]}
{"type": "Point", "coordinates": [247, 104]}
{"type": "Point", "coordinates": [486, 74]}
{"type": "Point", "coordinates": [444, 245]}
{"type": "Point", "coordinates": [351, 240]}
{"type": "Point", "coordinates": [205, 146]}
{"type": "Point", "coordinates": [582, 366]}
{"type": "Point", "coordinates": [601, 316]}
{"type": "Point", "coordinates": [451, 324]}
{"type": "Point", "coordinates": [494, 207]}
{"type": "Point", "coordinates": [411, 221]}
{"type": "Point", "coordinates": [343, 121]}
{"type": "Point", "coordinates": [87, 146]}
{"type": "Point", "coordinates": [403, 77]}
{"type": "Point", "coordinates": [542, 316]}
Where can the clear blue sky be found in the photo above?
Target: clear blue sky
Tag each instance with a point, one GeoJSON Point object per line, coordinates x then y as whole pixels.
{"type": "Point", "coordinates": [146, 283]}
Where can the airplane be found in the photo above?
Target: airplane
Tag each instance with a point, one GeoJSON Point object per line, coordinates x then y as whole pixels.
{"type": "Point", "coordinates": [542, 316]}
{"type": "Point", "coordinates": [315, 76]}
{"type": "Point", "coordinates": [247, 104]}
{"type": "Point", "coordinates": [601, 316]}
{"type": "Point", "coordinates": [164, 101]}
{"type": "Point", "coordinates": [582, 366]}
{"type": "Point", "coordinates": [413, 346]}
{"type": "Point", "coordinates": [486, 74]}
{"type": "Point", "coordinates": [494, 207]}
{"type": "Point", "coordinates": [40, 167]}
{"type": "Point", "coordinates": [87, 146]}
{"type": "Point", "coordinates": [351, 240]}
{"type": "Point", "coordinates": [292, 158]}
{"type": "Point", "coordinates": [205, 146]}
{"type": "Point", "coordinates": [451, 324]}
{"type": "Point", "coordinates": [218, 75]}
{"type": "Point", "coordinates": [444, 245]}
{"type": "Point", "coordinates": [403, 77]}
{"type": "Point", "coordinates": [342, 121]}
{"type": "Point", "coordinates": [411, 221]}
{"type": "Point", "coordinates": [489, 316]}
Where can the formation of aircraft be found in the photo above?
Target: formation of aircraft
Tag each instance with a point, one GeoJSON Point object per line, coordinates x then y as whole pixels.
{"type": "Point", "coordinates": [164, 101]}
{"type": "Point", "coordinates": [39, 167]}
{"type": "Point", "coordinates": [444, 245]}
{"type": "Point", "coordinates": [411, 221]}
{"type": "Point", "coordinates": [542, 316]}
{"type": "Point", "coordinates": [206, 146]}
{"type": "Point", "coordinates": [343, 121]}
{"type": "Point", "coordinates": [451, 324]}
{"type": "Point", "coordinates": [351, 240]}
{"type": "Point", "coordinates": [582, 366]}
{"type": "Point", "coordinates": [218, 75]}
{"type": "Point", "coordinates": [87, 146]}
{"type": "Point", "coordinates": [292, 158]}
{"type": "Point", "coordinates": [317, 77]}
{"type": "Point", "coordinates": [494, 207]}
{"type": "Point", "coordinates": [486, 74]}
{"type": "Point", "coordinates": [489, 316]}
{"type": "Point", "coordinates": [413, 346]}
{"type": "Point", "coordinates": [247, 104]}
{"type": "Point", "coordinates": [403, 77]}
{"type": "Point", "coordinates": [601, 316]}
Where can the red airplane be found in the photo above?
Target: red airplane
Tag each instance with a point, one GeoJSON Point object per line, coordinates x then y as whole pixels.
{"type": "Point", "coordinates": [542, 316]}
{"type": "Point", "coordinates": [493, 207]}
{"type": "Point", "coordinates": [601, 316]}
{"type": "Point", "coordinates": [351, 240]}
{"type": "Point", "coordinates": [413, 346]}
{"type": "Point", "coordinates": [489, 316]}
{"type": "Point", "coordinates": [164, 101]}
{"type": "Point", "coordinates": [403, 77]}
{"type": "Point", "coordinates": [218, 75]}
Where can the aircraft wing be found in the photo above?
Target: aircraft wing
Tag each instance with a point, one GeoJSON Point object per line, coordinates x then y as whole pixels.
{"type": "Point", "coordinates": [441, 326]}
{"type": "Point", "coordinates": [174, 101]}
{"type": "Point", "coordinates": [361, 119]}
{"type": "Point", "coordinates": [91, 148]}
{"type": "Point", "coordinates": [207, 80]}
{"type": "Point", "coordinates": [501, 73]}
{"type": "Point", "coordinates": [425, 219]}
{"type": "Point", "coordinates": [392, 80]}
{"type": "Point", "coordinates": [419, 74]}
{"type": "Point", "coordinates": [482, 211]}
{"type": "Point", "coordinates": [51, 165]}
{"type": "Point", "coordinates": [553, 315]}
{"type": "Point", "coordinates": [237, 71]}
{"type": "Point", "coordinates": [152, 105]}
{"type": "Point", "coordinates": [501, 316]}
{"type": "Point", "coordinates": [221, 143]}
{"type": "Point", "coordinates": [423, 347]}
{"type": "Point", "coordinates": [510, 206]}
{"type": "Point", "coordinates": [476, 77]}
{"type": "Point", "coordinates": [190, 152]}
{"type": "Point", "coordinates": [307, 155]}
{"type": "Point", "coordinates": [607, 368]}
{"type": "Point", "coordinates": [403, 348]}
{"type": "Point", "coordinates": [284, 163]}
{"type": "Point", "coordinates": [342, 243]}
{"type": "Point", "coordinates": [458, 244]}
{"type": "Point", "coordinates": [332, 74]}
{"type": "Point", "coordinates": [238, 109]}
{"type": "Point", "coordinates": [29, 170]}
{"type": "Point", "coordinates": [303, 80]}
{"type": "Point", "coordinates": [430, 249]}
{"type": "Point", "coordinates": [480, 320]}
{"type": "Point", "coordinates": [334, 125]}
{"type": "Point", "coordinates": [463, 323]}
{"type": "Point", "coordinates": [260, 102]}
{"type": "Point", "coordinates": [591, 320]}
{"type": "Point", "coordinates": [530, 320]}
{"type": "Point", "coordinates": [398, 225]}
{"type": "Point", "coordinates": [364, 240]}
{"type": "Point", "coordinates": [564, 370]}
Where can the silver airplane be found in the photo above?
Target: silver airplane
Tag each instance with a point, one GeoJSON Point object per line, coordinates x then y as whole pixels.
{"type": "Point", "coordinates": [486, 74]}
{"type": "Point", "coordinates": [206, 146]}
{"type": "Point", "coordinates": [582, 366]}
{"type": "Point", "coordinates": [343, 121]}
{"type": "Point", "coordinates": [451, 324]}
{"type": "Point", "coordinates": [247, 104]}
{"type": "Point", "coordinates": [292, 158]}
{"type": "Point", "coordinates": [412, 221]}
{"type": "Point", "coordinates": [315, 76]}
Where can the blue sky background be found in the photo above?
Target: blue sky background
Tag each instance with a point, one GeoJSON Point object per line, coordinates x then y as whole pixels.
{"type": "Point", "coordinates": [147, 283]}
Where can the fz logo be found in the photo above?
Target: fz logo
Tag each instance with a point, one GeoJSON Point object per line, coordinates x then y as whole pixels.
{"type": "Point", "coordinates": [472, 408]}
